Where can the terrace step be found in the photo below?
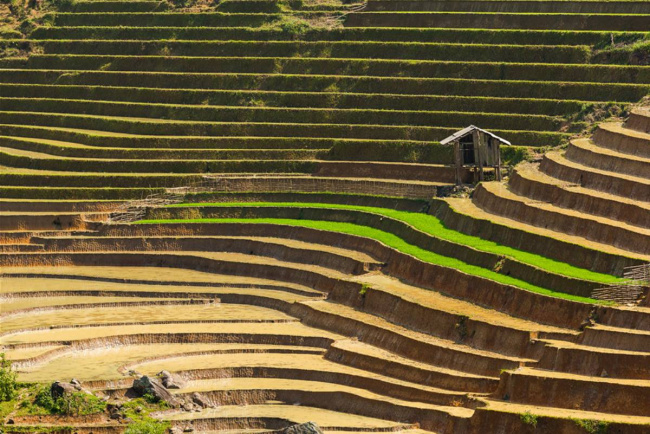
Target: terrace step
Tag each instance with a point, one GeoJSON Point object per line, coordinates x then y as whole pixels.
{"type": "Point", "coordinates": [632, 187]}
{"type": "Point", "coordinates": [45, 221]}
{"type": "Point", "coordinates": [605, 336]}
{"type": "Point", "coordinates": [586, 152]}
{"type": "Point", "coordinates": [146, 313]}
{"type": "Point", "coordinates": [164, 127]}
{"type": "Point", "coordinates": [375, 219]}
{"type": "Point", "coordinates": [459, 35]}
{"type": "Point", "coordinates": [497, 20]}
{"type": "Point", "coordinates": [563, 247]}
{"type": "Point", "coordinates": [76, 279]}
{"type": "Point", "coordinates": [498, 199]}
{"type": "Point", "coordinates": [333, 397]}
{"type": "Point", "coordinates": [24, 237]}
{"type": "Point", "coordinates": [433, 313]}
{"type": "Point", "coordinates": [278, 416]}
{"type": "Point", "coordinates": [17, 184]}
{"type": "Point", "coordinates": [8, 205]}
{"type": "Point", "coordinates": [57, 148]}
{"type": "Point", "coordinates": [168, 19]}
{"type": "Point", "coordinates": [104, 139]}
{"type": "Point", "coordinates": [370, 358]}
{"type": "Point", "coordinates": [618, 138]}
{"type": "Point", "coordinates": [570, 358]}
{"type": "Point", "coordinates": [297, 115]}
{"type": "Point", "coordinates": [513, 6]}
{"type": "Point", "coordinates": [557, 389]}
{"type": "Point", "coordinates": [244, 6]}
{"type": "Point", "coordinates": [100, 336]}
{"type": "Point", "coordinates": [8, 248]}
{"type": "Point", "coordinates": [327, 49]}
{"type": "Point", "coordinates": [639, 120]}
{"type": "Point", "coordinates": [407, 343]}
{"type": "Point", "coordinates": [527, 180]}
{"type": "Point", "coordinates": [120, 6]}
{"type": "Point", "coordinates": [321, 374]}
{"type": "Point", "coordinates": [508, 416]}
{"type": "Point", "coordinates": [272, 99]}
{"type": "Point", "coordinates": [36, 160]}
{"type": "Point", "coordinates": [406, 171]}
{"type": "Point", "coordinates": [620, 78]}
{"type": "Point", "coordinates": [344, 260]}
{"type": "Point", "coordinates": [152, 76]}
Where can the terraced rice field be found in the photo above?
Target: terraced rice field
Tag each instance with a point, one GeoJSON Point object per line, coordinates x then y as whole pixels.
{"type": "Point", "coordinates": [251, 195]}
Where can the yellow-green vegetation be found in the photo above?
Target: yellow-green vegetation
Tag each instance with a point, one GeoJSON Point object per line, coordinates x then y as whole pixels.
{"type": "Point", "coordinates": [394, 242]}
{"type": "Point", "coordinates": [8, 383]}
{"type": "Point", "coordinates": [72, 404]}
{"type": "Point", "coordinates": [529, 419]}
{"type": "Point", "coordinates": [139, 410]}
{"type": "Point", "coordinates": [432, 225]}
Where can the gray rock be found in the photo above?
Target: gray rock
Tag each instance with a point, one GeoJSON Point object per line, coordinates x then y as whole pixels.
{"type": "Point", "coordinates": [148, 385]}
{"type": "Point", "coordinates": [303, 428]}
{"type": "Point", "coordinates": [175, 430]}
{"type": "Point", "coordinates": [171, 381]}
{"type": "Point", "coordinates": [201, 400]}
{"type": "Point", "coordinates": [59, 389]}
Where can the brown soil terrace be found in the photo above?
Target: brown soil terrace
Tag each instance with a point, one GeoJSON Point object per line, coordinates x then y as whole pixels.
{"type": "Point", "coordinates": [272, 324]}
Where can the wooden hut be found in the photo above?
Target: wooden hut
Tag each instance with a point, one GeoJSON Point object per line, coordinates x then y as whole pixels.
{"type": "Point", "coordinates": [477, 148]}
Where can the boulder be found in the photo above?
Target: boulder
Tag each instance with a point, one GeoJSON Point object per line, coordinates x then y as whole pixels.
{"type": "Point", "coordinates": [303, 428]}
{"type": "Point", "coordinates": [146, 385]}
{"type": "Point", "coordinates": [59, 389]}
{"type": "Point", "coordinates": [201, 400]}
{"type": "Point", "coordinates": [171, 381]}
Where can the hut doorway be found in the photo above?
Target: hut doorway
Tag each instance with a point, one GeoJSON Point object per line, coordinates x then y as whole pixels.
{"type": "Point", "coordinates": [467, 153]}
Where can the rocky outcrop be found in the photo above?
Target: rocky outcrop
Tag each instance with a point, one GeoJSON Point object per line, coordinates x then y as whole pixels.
{"type": "Point", "coordinates": [59, 389]}
{"type": "Point", "coordinates": [146, 385]}
{"type": "Point", "coordinates": [303, 428]}
{"type": "Point", "coordinates": [170, 381]}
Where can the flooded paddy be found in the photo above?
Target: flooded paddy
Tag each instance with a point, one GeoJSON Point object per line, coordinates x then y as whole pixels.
{"type": "Point", "coordinates": [142, 314]}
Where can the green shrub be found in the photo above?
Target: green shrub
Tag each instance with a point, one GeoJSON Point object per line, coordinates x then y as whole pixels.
{"type": "Point", "coordinates": [62, 5]}
{"type": "Point", "coordinates": [592, 426]}
{"type": "Point", "coordinates": [147, 426]}
{"type": "Point", "coordinates": [73, 404]}
{"type": "Point", "coordinates": [529, 419]}
{"type": "Point", "coordinates": [8, 385]}
{"type": "Point", "coordinates": [513, 155]}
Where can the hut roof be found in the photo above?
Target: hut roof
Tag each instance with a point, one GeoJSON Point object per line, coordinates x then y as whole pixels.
{"type": "Point", "coordinates": [465, 131]}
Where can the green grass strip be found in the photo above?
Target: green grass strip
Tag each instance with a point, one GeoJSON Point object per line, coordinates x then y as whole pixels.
{"type": "Point", "coordinates": [433, 226]}
{"type": "Point", "coordinates": [396, 243]}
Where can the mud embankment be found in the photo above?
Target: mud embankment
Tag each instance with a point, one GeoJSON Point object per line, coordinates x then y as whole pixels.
{"type": "Point", "coordinates": [603, 397]}
{"type": "Point", "coordinates": [553, 166]}
{"type": "Point", "coordinates": [608, 233]}
{"type": "Point", "coordinates": [594, 204]}
{"type": "Point", "coordinates": [573, 254]}
{"type": "Point", "coordinates": [401, 229]}
{"type": "Point", "coordinates": [617, 141]}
